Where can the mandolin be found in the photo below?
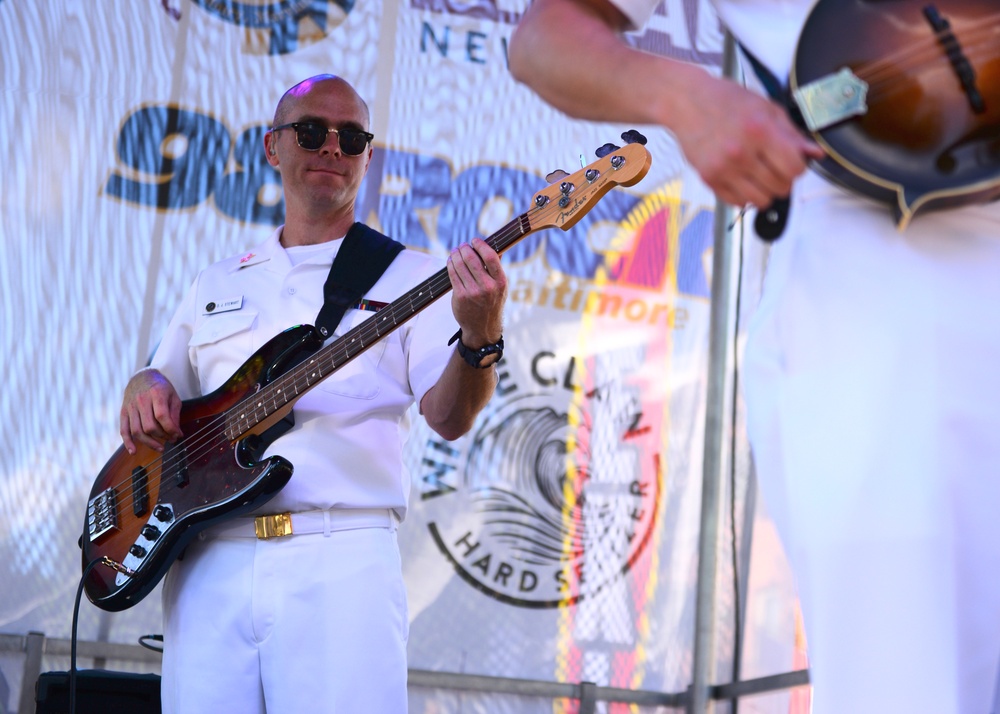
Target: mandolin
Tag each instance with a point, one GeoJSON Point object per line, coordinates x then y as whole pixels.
{"type": "Point", "coordinates": [904, 96]}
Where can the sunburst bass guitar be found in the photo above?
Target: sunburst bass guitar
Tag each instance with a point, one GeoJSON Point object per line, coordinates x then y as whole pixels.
{"type": "Point", "coordinates": [145, 508]}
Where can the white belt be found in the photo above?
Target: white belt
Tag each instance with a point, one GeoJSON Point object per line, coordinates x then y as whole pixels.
{"type": "Point", "coordinates": [306, 522]}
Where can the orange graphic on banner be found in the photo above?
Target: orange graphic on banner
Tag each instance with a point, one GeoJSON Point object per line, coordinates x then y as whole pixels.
{"type": "Point", "coordinates": [645, 242]}
{"type": "Point", "coordinates": [800, 701]}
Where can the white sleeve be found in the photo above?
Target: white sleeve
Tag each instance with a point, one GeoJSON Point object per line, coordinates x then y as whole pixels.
{"type": "Point", "coordinates": [428, 350]}
{"type": "Point", "coordinates": [172, 356]}
{"type": "Point", "coordinates": [638, 12]}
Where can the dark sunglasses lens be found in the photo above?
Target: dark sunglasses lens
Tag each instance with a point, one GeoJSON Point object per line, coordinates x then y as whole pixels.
{"type": "Point", "coordinates": [352, 142]}
{"type": "Point", "coordinates": [310, 136]}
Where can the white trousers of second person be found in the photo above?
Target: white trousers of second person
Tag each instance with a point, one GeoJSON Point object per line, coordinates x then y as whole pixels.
{"type": "Point", "coordinates": [301, 623]}
{"type": "Point", "coordinates": [873, 394]}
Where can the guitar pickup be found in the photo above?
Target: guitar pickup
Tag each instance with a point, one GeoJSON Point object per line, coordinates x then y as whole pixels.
{"type": "Point", "coordinates": [102, 514]}
{"type": "Point", "coordinates": [140, 490]}
{"type": "Point", "coordinates": [175, 468]}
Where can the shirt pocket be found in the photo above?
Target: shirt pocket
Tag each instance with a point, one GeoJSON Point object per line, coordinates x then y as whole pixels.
{"type": "Point", "coordinates": [359, 378]}
{"type": "Point", "coordinates": [220, 345]}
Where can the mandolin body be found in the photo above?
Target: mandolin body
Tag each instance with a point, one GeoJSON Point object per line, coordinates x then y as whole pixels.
{"type": "Point", "coordinates": [924, 142]}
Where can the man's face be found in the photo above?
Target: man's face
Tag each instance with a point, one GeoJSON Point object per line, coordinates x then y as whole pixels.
{"type": "Point", "coordinates": [328, 178]}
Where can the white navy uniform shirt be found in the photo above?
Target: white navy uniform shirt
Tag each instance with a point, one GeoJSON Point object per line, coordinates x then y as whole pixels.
{"type": "Point", "coordinates": [346, 445]}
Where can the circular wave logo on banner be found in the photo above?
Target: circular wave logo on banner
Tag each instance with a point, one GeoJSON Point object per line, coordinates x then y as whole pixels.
{"type": "Point", "coordinates": [283, 26]}
{"type": "Point", "coordinates": [544, 509]}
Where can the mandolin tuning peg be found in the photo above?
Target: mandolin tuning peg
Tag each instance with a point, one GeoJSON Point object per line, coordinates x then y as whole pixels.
{"type": "Point", "coordinates": [556, 176]}
{"type": "Point", "coordinates": [633, 137]}
{"type": "Point", "coordinates": [605, 150]}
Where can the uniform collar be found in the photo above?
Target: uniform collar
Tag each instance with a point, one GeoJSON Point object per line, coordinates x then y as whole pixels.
{"type": "Point", "coordinates": [268, 251]}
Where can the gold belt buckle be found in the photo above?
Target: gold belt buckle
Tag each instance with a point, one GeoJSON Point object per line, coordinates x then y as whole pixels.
{"type": "Point", "coordinates": [273, 526]}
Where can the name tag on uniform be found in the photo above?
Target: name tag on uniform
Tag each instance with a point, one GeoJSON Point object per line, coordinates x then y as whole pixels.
{"type": "Point", "coordinates": [226, 305]}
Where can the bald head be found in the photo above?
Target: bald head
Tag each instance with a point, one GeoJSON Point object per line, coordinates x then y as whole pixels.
{"type": "Point", "coordinates": [288, 100]}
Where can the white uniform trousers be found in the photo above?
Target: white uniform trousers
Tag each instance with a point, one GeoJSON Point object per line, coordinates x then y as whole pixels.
{"type": "Point", "coordinates": [301, 623]}
{"type": "Point", "coordinates": [873, 393]}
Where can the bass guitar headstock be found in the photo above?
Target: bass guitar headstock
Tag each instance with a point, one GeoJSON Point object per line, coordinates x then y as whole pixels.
{"type": "Point", "coordinates": [567, 199]}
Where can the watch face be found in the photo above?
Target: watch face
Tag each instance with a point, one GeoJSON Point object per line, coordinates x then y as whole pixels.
{"type": "Point", "coordinates": [490, 359]}
{"type": "Point", "coordinates": [483, 357]}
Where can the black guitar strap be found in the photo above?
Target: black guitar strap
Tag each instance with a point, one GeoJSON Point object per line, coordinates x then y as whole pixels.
{"type": "Point", "coordinates": [363, 257]}
{"type": "Point", "coordinates": [777, 90]}
{"type": "Point", "coordinates": [770, 221]}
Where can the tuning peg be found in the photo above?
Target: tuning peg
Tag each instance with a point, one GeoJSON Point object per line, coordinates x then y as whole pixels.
{"type": "Point", "coordinates": [556, 175]}
{"type": "Point", "coordinates": [605, 150]}
{"type": "Point", "coordinates": [633, 137]}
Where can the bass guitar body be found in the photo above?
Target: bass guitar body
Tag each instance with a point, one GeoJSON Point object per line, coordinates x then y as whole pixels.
{"type": "Point", "coordinates": [144, 508]}
{"type": "Point", "coordinates": [929, 135]}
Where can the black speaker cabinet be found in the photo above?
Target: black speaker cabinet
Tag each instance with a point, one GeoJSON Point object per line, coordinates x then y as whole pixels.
{"type": "Point", "coordinates": [98, 692]}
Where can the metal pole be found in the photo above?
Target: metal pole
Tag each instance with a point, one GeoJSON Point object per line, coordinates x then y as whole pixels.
{"type": "Point", "coordinates": [716, 417]}
{"type": "Point", "coordinates": [35, 645]}
{"type": "Point", "coordinates": [34, 648]}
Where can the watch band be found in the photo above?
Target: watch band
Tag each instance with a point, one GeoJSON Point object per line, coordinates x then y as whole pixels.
{"type": "Point", "coordinates": [479, 358]}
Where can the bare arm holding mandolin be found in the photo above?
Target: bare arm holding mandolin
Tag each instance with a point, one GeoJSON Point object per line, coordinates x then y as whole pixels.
{"type": "Point", "coordinates": [742, 145]}
{"type": "Point", "coordinates": [914, 127]}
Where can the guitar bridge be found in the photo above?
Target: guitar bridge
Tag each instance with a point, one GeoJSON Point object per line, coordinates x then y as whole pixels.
{"type": "Point", "coordinates": [102, 514]}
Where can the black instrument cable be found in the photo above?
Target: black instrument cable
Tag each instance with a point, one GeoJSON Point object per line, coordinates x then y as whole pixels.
{"type": "Point", "coordinates": [72, 649]}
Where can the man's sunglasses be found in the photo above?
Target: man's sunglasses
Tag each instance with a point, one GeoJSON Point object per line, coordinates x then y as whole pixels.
{"type": "Point", "coordinates": [312, 136]}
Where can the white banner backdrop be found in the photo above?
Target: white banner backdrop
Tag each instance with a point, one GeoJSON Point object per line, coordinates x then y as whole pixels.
{"type": "Point", "coordinates": [558, 540]}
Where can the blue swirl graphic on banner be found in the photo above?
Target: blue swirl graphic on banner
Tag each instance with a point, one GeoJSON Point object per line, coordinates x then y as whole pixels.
{"type": "Point", "coordinates": [283, 19]}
